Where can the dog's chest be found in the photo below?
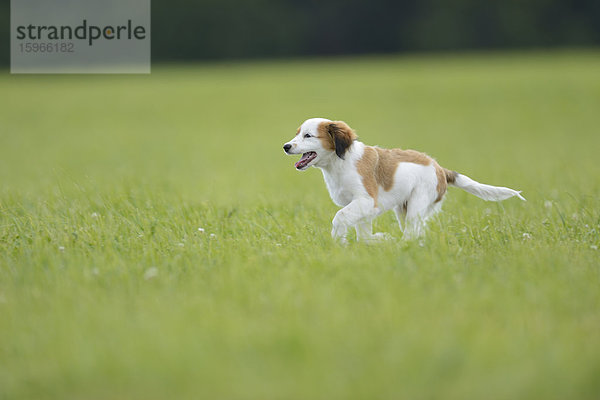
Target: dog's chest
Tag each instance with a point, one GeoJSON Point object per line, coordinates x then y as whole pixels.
{"type": "Point", "coordinates": [339, 186]}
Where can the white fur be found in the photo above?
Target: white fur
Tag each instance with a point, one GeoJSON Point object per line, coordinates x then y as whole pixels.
{"type": "Point", "coordinates": [412, 197]}
{"type": "Point", "coordinates": [486, 192]}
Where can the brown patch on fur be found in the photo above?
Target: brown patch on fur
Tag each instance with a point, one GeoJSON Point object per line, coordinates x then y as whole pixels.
{"type": "Point", "coordinates": [378, 167]}
{"type": "Point", "coordinates": [444, 177]}
{"type": "Point", "coordinates": [324, 137]}
{"type": "Point", "coordinates": [298, 131]}
{"type": "Point", "coordinates": [389, 160]}
{"type": "Point", "coordinates": [450, 175]}
{"type": "Point", "coordinates": [442, 181]}
{"type": "Point", "coordinates": [336, 136]}
{"type": "Point", "coordinates": [367, 167]}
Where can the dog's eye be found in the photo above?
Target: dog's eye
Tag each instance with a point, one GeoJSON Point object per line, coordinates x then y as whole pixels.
{"type": "Point", "coordinates": [306, 136]}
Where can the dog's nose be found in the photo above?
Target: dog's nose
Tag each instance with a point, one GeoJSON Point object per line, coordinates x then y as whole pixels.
{"type": "Point", "coordinates": [287, 147]}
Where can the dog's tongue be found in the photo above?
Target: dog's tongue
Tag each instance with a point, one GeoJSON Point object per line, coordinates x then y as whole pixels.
{"type": "Point", "coordinates": [304, 159]}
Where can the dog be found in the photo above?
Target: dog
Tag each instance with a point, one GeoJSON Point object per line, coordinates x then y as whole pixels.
{"type": "Point", "coordinates": [368, 180]}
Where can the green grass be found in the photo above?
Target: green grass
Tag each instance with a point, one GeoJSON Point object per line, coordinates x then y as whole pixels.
{"type": "Point", "coordinates": [108, 290]}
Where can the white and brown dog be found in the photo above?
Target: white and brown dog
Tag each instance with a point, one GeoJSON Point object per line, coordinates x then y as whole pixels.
{"type": "Point", "coordinates": [367, 180]}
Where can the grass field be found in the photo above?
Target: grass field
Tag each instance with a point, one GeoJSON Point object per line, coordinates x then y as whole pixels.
{"type": "Point", "coordinates": [109, 290]}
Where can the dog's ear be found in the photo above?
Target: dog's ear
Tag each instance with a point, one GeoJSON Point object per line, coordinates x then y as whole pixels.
{"type": "Point", "coordinates": [342, 136]}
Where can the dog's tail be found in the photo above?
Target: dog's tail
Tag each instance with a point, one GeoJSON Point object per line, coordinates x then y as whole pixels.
{"type": "Point", "coordinates": [483, 191]}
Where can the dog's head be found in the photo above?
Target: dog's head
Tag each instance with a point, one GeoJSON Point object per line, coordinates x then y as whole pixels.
{"type": "Point", "coordinates": [318, 140]}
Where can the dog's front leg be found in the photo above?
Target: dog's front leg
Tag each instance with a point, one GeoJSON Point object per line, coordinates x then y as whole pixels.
{"type": "Point", "coordinates": [351, 215]}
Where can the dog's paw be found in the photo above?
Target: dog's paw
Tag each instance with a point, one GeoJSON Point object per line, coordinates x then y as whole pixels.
{"type": "Point", "coordinates": [339, 237]}
{"type": "Point", "coordinates": [342, 241]}
{"type": "Point", "coordinates": [411, 237]}
{"type": "Point", "coordinates": [378, 237]}
{"type": "Point", "coordinates": [383, 236]}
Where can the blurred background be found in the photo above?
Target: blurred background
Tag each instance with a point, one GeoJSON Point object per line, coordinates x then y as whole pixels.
{"type": "Point", "coordinates": [155, 241]}
{"type": "Point", "coordinates": [239, 29]}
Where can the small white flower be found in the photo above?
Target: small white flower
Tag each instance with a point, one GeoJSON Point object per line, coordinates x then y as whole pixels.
{"type": "Point", "coordinates": [95, 215]}
{"type": "Point", "coordinates": [180, 244]}
{"type": "Point", "coordinates": [548, 204]}
{"type": "Point", "coordinates": [201, 230]}
{"type": "Point", "coordinates": [61, 248]}
{"type": "Point", "coordinates": [594, 247]}
{"type": "Point", "coordinates": [212, 236]}
{"type": "Point", "coordinates": [278, 244]}
{"type": "Point", "coordinates": [141, 235]}
{"type": "Point", "coordinates": [150, 273]}
{"type": "Point", "coordinates": [526, 236]}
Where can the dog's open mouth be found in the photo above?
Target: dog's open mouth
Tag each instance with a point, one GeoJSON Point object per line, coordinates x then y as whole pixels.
{"type": "Point", "coordinates": [306, 159]}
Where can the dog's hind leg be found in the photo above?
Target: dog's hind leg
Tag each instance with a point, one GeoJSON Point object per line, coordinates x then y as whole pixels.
{"type": "Point", "coordinates": [418, 210]}
{"type": "Point", "coordinates": [400, 211]}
